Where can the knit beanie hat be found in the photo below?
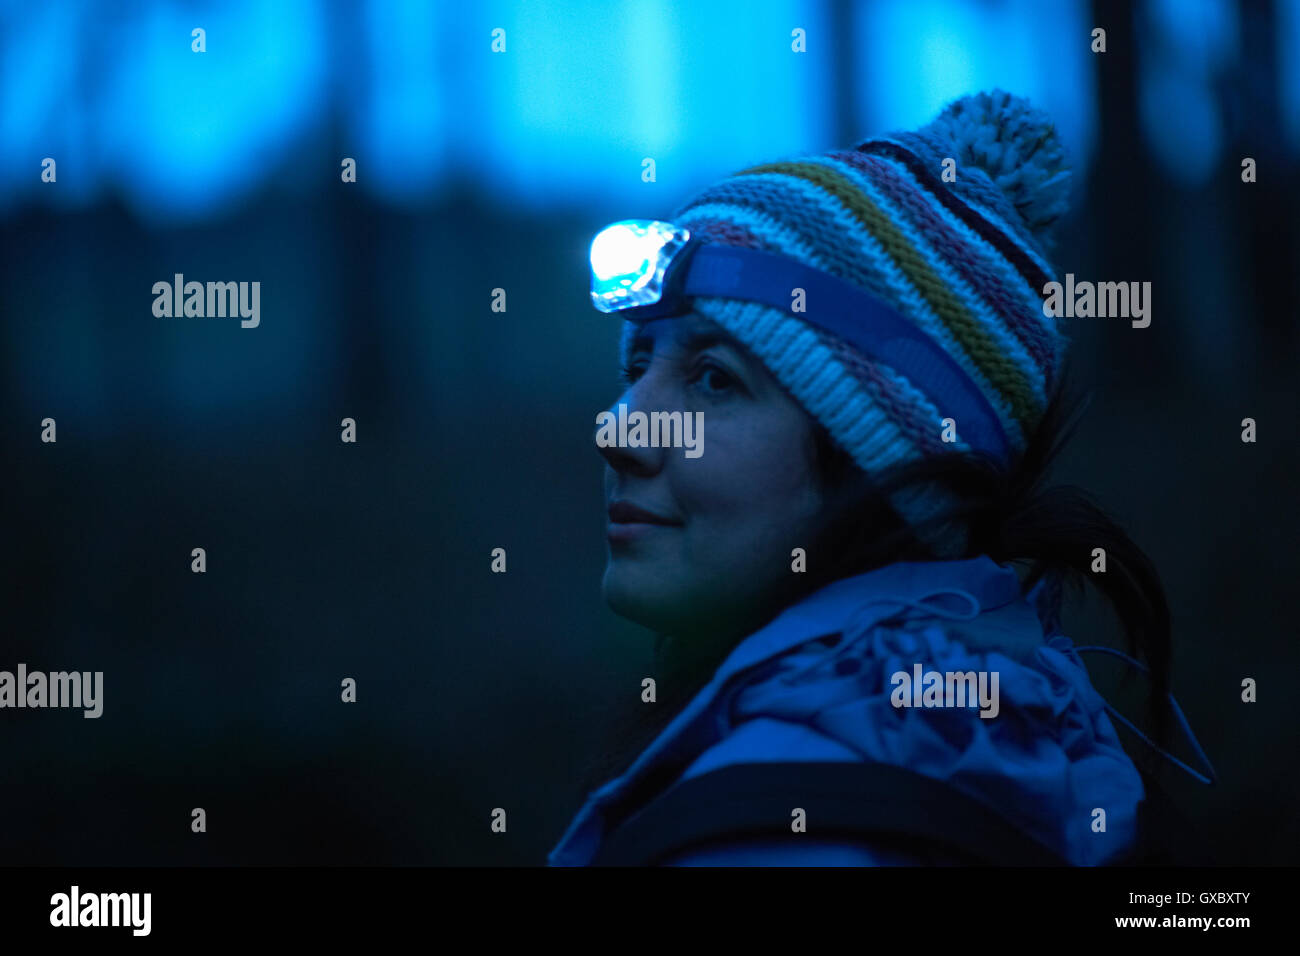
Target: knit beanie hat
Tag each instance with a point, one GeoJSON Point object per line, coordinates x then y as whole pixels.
{"type": "Point", "coordinates": [965, 260]}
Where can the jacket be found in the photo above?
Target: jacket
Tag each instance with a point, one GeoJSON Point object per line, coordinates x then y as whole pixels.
{"type": "Point", "coordinates": [836, 680]}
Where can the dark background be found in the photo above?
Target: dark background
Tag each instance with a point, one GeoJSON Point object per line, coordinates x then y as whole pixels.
{"type": "Point", "coordinates": [371, 560]}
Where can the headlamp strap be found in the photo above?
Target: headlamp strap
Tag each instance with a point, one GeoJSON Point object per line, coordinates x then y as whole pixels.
{"type": "Point", "coordinates": [857, 317]}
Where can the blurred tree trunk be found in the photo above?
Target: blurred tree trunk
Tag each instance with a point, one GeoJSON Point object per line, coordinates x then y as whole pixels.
{"type": "Point", "coordinates": [1123, 193]}
{"type": "Point", "coordinates": [847, 122]}
{"type": "Point", "coordinates": [1267, 209]}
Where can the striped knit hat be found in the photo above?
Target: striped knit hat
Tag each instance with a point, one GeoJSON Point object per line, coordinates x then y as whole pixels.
{"type": "Point", "coordinates": [964, 260]}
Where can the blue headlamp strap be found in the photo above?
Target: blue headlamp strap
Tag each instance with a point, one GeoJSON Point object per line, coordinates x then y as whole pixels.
{"type": "Point", "coordinates": [852, 314]}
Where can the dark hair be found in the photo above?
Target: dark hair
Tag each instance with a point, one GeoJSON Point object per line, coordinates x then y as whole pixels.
{"type": "Point", "coordinates": [1013, 517]}
{"type": "Point", "coordinates": [1010, 515]}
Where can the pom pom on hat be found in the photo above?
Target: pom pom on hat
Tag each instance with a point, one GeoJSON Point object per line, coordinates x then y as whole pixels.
{"type": "Point", "coordinates": [1017, 145]}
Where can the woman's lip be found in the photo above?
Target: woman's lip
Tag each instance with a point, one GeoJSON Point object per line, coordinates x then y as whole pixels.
{"type": "Point", "coordinates": [626, 513]}
{"type": "Point", "coordinates": [628, 531]}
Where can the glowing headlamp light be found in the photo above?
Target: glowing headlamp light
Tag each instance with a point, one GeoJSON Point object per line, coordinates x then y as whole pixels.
{"type": "Point", "coordinates": [646, 269]}
{"type": "Point", "coordinates": [630, 261]}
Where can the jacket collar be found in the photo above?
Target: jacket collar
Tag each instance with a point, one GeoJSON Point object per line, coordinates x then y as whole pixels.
{"type": "Point", "coordinates": [824, 611]}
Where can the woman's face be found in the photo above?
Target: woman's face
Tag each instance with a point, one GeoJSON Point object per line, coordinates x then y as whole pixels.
{"type": "Point", "coordinates": [718, 563]}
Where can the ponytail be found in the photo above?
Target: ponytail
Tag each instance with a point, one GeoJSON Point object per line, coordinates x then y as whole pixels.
{"type": "Point", "coordinates": [1011, 517]}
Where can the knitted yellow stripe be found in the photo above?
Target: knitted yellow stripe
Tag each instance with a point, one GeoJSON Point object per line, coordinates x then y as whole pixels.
{"type": "Point", "coordinates": [1002, 372]}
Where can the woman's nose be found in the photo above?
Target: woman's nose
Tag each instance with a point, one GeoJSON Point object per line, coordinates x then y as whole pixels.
{"type": "Point", "coordinates": [612, 427]}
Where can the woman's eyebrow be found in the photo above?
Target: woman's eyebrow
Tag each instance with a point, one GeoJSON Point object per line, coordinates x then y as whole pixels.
{"type": "Point", "coordinates": [694, 341]}
{"type": "Point", "coordinates": [704, 338]}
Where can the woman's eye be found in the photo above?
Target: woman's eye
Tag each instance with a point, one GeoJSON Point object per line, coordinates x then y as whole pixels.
{"type": "Point", "coordinates": [713, 379]}
{"type": "Point", "coordinates": [630, 373]}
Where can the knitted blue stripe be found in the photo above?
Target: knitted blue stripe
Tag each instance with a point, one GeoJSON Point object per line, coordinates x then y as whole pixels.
{"type": "Point", "coordinates": [763, 226]}
{"type": "Point", "coordinates": [922, 404]}
{"type": "Point", "coordinates": [815, 378]}
{"type": "Point", "coordinates": [981, 310]}
{"type": "Point", "coordinates": [1014, 283]}
{"type": "Point", "coordinates": [889, 281]}
{"type": "Point", "coordinates": [900, 292]}
{"type": "Point", "coordinates": [821, 221]}
{"type": "Point", "coordinates": [978, 191]}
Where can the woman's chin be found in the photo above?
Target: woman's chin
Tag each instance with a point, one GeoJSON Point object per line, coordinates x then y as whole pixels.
{"type": "Point", "coordinates": [635, 592]}
{"type": "Point", "coordinates": [672, 604]}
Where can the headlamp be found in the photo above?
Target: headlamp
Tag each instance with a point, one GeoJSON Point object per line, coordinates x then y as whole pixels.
{"type": "Point", "coordinates": [631, 261]}
{"type": "Point", "coordinates": [646, 268]}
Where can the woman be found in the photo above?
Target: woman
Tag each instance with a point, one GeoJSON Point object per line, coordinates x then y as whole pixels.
{"type": "Point", "coordinates": [857, 578]}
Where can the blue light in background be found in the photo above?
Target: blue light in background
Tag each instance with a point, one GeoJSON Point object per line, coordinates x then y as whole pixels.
{"type": "Point", "coordinates": [40, 115]}
{"type": "Point", "coordinates": [919, 55]}
{"type": "Point", "coordinates": [189, 133]}
{"type": "Point", "coordinates": [590, 89]}
{"type": "Point", "coordinates": [1288, 57]}
{"type": "Point", "coordinates": [586, 90]}
{"type": "Point", "coordinates": [127, 103]}
{"type": "Point", "coordinates": [1186, 45]}
{"type": "Point", "coordinates": [401, 122]}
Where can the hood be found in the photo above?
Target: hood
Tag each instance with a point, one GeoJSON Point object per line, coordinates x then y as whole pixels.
{"type": "Point", "coordinates": [819, 682]}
